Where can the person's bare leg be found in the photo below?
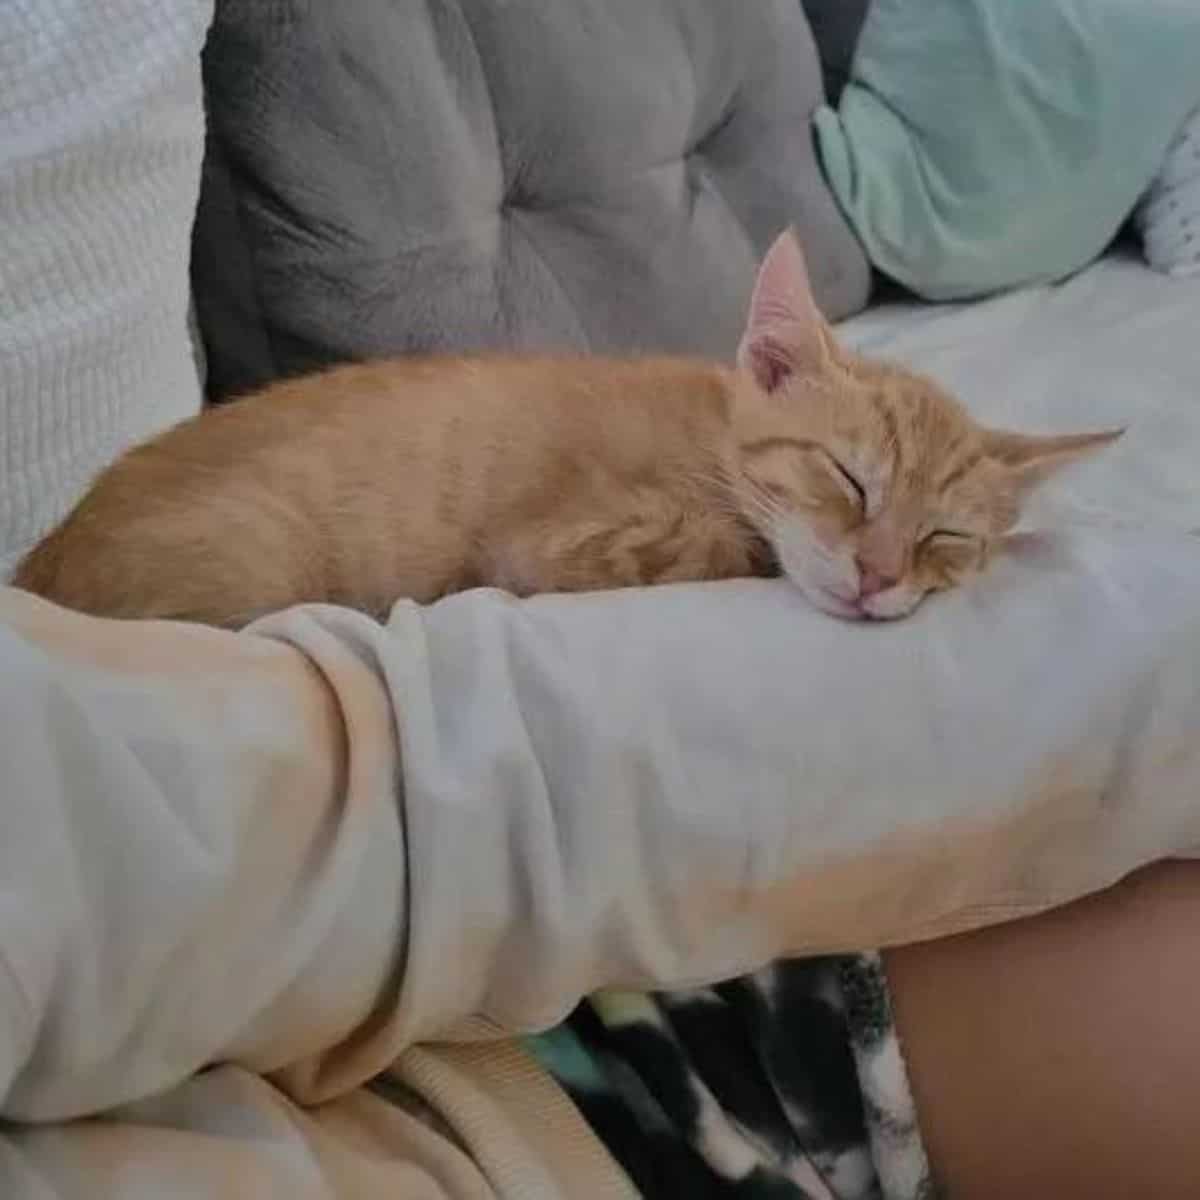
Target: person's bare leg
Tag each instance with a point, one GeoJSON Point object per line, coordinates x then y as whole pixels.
{"type": "Point", "coordinates": [1059, 1056]}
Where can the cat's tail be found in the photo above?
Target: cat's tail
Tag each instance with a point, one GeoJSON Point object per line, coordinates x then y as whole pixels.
{"type": "Point", "coordinates": [38, 572]}
{"type": "Point", "coordinates": [89, 563]}
{"type": "Point", "coordinates": [64, 569]}
{"type": "Point", "coordinates": [117, 565]}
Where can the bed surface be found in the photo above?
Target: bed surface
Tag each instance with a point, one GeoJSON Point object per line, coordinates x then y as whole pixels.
{"type": "Point", "coordinates": [1117, 345]}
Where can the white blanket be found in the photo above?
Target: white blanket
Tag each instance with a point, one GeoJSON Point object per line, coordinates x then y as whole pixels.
{"type": "Point", "coordinates": [207, 854]}
{"type": "Point", "coordinates": [101, 137]}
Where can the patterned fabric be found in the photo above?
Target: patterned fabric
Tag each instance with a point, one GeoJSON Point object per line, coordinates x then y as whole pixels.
{"type": "Point", "coordinates": [1168, 216]}
{"type": "Point", "coordinates": [784, 1085]}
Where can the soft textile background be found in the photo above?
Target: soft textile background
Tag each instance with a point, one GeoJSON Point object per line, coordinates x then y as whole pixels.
{"type": "Point", "coordinates": [982, 144]}
{"type": "Point", "coordinates": [101, 135]}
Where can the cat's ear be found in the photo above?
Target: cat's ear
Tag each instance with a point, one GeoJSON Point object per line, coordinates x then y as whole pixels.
{"type": "Point", "coordinates": [1031, 458]}
{"type": "Point", "coordinates": [785, 332]}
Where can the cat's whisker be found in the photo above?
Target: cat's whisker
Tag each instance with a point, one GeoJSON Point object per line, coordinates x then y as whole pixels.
{"type": "Point", "coordinates": [765, 502]}
{"type": "Point", "coordinates": [735, 496]}
{"type": "Point", "coordinates": [769, 513]}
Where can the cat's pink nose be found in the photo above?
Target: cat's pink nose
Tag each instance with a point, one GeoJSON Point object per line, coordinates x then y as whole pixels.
{"type": "Point", "coordinates": [872, 582]}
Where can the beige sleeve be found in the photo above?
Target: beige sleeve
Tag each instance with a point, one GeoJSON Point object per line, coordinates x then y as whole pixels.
{"type": "Point", "coordinates": [306, 848]}
{"type": "Point", "coordinates": [200, 856]}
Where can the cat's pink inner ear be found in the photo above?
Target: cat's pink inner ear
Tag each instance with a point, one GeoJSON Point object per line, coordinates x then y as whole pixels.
{"type": "Point", "coordinates": [784, 329]}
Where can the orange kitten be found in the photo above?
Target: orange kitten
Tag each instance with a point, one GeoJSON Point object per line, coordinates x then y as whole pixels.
{"type": "Point", "coordinates": [866, 484]}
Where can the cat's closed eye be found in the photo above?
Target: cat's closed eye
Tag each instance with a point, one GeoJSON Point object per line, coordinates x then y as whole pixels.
{"type": "Point", "coordinates": [951, 547]}
{"type": "Point", "coordinates": [846, 480]}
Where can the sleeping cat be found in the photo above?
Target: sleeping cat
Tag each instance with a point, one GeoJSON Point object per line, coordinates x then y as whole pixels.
{"type": "Point", "coordinates": [866, 485]}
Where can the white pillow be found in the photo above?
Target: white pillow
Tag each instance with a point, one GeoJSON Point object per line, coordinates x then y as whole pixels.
{"type": "Point", "coordinates": [1168, 216]}
{"type": "Point", "coordinates": [101, 139]}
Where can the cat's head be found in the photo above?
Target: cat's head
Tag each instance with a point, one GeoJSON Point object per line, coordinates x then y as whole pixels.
{"type": "Point", "coordinates": [872, 485]}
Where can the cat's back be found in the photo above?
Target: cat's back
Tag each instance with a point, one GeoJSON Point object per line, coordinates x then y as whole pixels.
{"type": "Point", "coordinates": [625, 406]}
{"type": "Point", "coordinates": [407, 418]}
{"type": "Point", "coordinates": [402, 396]}
{"type": "Point", "coordinates": [478, 411]}
{"type": "Point", "coordinates": [315, 488]}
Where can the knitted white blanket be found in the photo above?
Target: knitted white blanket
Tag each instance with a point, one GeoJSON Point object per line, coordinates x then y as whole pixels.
{"type": "Point", "coordinates": [101, 138]}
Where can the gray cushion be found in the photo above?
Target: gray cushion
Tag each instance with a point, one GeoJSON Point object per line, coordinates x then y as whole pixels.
{"type": "Point", "coordinates": [599, 174]}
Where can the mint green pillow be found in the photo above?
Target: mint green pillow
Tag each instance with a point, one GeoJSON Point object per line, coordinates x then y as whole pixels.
{"type": "Point", "coordinates": [982, 144]}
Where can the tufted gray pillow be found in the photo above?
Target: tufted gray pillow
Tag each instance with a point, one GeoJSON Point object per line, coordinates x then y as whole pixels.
{"type": "Point", "coordinates": [599, 174]}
